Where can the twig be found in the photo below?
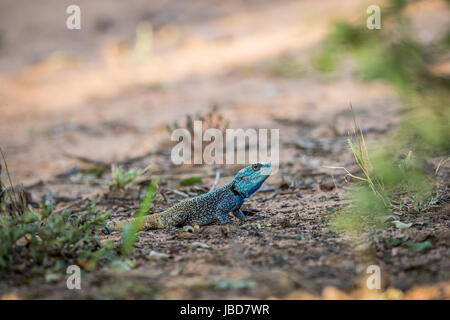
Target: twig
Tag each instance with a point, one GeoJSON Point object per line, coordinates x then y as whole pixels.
{"type": "Point", "coordinates": [13, 201]}
{"type": "Point", "coordinates": [441, 164]}
{"type": "Point", "coordinates": [87, 160]}
{"type": "Point", "coordinates": [178, 192]}
{"type": "Point", "coordinates": [216, 182]}
{"type": "Point", "coordinates": [267, 189]}
{"type": "Point", "coordinates": [71, 205]}
{"type": "Point", "coordinates": [348, 173]}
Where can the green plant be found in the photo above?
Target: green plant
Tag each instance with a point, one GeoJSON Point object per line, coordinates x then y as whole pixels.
{"type": "Point", "coordinates": [424, 126]}
{"type": "Point", "coordinates": [190, 181]}
{"type": "Point", "coordinates": [393, 56]}
{"type": "Point", "coordinates": [39, 240]}
{"type": "Point", "coordinates": [446, 40]}
{"type": "Point", "coordinates": [388, 181]}
{"type": "Point", "coordinates": [365, 213]}
{"type": "Point", "coordinates": [325, 61]}
{"type": "Point", "coordinates": [121, 177]}
{"type": "Point", "coordinates": [386, 184]}
{"type": "Point", "coordinates": [130, 232]}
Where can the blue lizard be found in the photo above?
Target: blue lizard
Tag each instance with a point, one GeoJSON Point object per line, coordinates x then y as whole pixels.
{"type": "Point", "coordinates": [209, 207]}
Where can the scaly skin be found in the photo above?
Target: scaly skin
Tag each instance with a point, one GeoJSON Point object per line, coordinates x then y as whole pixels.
{"type": "Point", "coordinates": [209, 207]}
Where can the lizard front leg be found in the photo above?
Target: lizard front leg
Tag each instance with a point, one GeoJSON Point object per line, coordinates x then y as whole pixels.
{"type": "Point", "coordinates": [229, 202]}
{"type": "Point", "coordinates": [222, 211]}
{"type": "Point", "coordinates": [239, 214]}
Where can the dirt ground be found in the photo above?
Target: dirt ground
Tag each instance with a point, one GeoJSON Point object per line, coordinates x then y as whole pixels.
{"type": "Point", "coordinates": [90, 93]}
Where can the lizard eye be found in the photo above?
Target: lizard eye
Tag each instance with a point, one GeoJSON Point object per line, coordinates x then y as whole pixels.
{"type": "Point", "coordinates": [256, 167]}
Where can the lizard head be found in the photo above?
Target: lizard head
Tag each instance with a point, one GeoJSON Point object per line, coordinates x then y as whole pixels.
{"type": "Point", "coordinates": [249, 179]}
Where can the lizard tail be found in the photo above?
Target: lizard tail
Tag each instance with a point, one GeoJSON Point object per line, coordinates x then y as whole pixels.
{"type": "Point", "coordinates": [154, 221]}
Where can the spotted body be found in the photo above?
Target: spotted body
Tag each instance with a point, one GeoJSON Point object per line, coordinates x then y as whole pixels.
{"type": "Point", "coordinates": [209, 207]}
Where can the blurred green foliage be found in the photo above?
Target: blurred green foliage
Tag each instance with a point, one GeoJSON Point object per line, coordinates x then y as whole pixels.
{"type": "Point", "coordinates": [42, 240]}
{"type": "Point", "coordinates": [366, 211]}
{"type": "Point", "coordinates": [391, 181]}
{"type": "Point", "coordinates": [190, 181]}
{"type": "Point", "coordinates": [400, 62]}
{"type": "Point", "coordinates": [446, 40]}
{"type": "Point", "coordinates": [420, 246]}
{"type": "Point", "coordinates": [425, 124]}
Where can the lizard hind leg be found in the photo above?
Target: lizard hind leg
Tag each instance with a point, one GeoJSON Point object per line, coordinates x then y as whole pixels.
{"type": "Point", "coordinates": [223, 217]}
{"type": "Point", "coordinates": [176, 219]}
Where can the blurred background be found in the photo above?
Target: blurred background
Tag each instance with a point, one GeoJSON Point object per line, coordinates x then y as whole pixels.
{"type": "Point", "coordinates": [109, 89]}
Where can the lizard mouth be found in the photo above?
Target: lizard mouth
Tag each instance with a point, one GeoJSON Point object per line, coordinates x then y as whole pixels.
{"type": "Point", "coordinates": [264, 174]}
{"type": "Point", "coordinates": [266, 171]}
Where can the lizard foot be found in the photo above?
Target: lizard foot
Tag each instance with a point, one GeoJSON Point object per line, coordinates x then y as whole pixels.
{"type": "Point", "coordinates": [252, 218]}
{"type": "Point", "coordinates": [106, 230]}
{"type": "Point", "coordinates": [109, 228]}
